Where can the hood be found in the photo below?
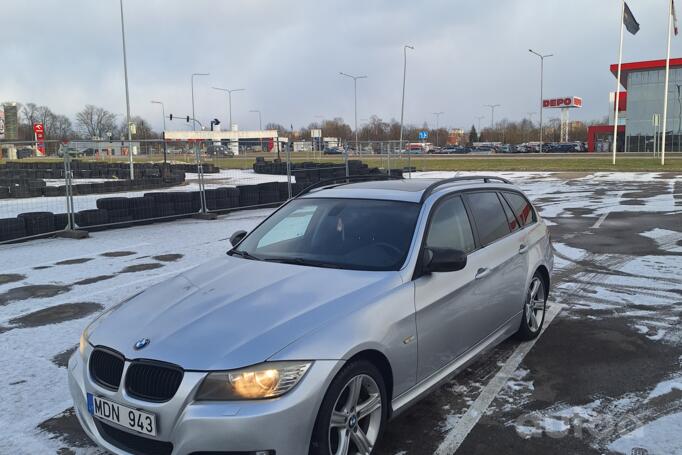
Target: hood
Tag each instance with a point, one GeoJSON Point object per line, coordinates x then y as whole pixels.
{"type": "Point", "coordinates": [233, 312]}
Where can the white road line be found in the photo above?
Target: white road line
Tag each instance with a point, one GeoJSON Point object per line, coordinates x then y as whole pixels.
{"type": "Point", "coordinates": [604, 215]}
{"type": "Point", "coordinates": [469, 420]}
{"type": "Point", "coordinates": [600, 221]}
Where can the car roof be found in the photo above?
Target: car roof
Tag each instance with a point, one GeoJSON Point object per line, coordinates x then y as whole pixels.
{"type": "Point", "coordinates": [407, 190]}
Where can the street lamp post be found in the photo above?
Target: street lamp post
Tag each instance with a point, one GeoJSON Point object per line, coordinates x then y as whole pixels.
{"type": "Point", "coordinates": [193, 115]}
{"type": "Point", "coordinates": [125, 75]}
{"type": "Point", "coordinates": [260, 126]}
{"type": "Point", "coordinates": [355, 91]}
{"type": "Point", "coordinates": [402, 104]}
{"type": "Point", "coordinates": [437, 114]}
{"type": "Point", "coordinates": [542, 78]}
{"type": "Point", "coordinates": [492, 115]}
{"type": "Point", "coordinates": [163, 113]}
{"type": "Point", "coordinates": [229, 99]}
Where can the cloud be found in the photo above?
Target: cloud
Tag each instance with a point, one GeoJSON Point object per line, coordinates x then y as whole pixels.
{"type": "Point", "coordinates": [287, 54]}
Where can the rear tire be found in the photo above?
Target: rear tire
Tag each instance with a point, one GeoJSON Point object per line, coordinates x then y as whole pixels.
{"type": "Point", "coordinates": [534, 309]}
{"type": "Point", "coordinates": [353, 413]}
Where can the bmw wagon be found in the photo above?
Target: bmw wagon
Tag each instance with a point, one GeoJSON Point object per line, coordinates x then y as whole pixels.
{"type": "Point", "coordinates": [337, 312]}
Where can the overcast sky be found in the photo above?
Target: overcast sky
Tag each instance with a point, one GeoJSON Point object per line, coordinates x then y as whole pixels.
{"type": "Point", "coordinates": [287, 54]}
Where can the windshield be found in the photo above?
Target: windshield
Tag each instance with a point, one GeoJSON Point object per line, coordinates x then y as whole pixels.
{"type": "Point", "coordinates": [355, 234]}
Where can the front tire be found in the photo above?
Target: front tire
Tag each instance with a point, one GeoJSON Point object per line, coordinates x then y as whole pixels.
{"type": "Point", "coordinates": [352, 415]}
{"type": "Point", "coordinates": [534, 309]}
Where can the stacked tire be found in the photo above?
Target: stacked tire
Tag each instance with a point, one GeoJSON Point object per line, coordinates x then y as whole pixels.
{"type": "Point", "coordinates": [227, 198]}
{"type": "Point", "coordinates": [36, 223]}
{"type": "Point", "coordinates": [268, 193]}
{"type": "Point", "coordinates": [94, 217]}
{"type": "Point", "coordinates": [248, 195]}
{"type": "Point", "coordinates": [12, 228]}
{"type": "Point", "coordinates": [61, 221]}
{"type": "Point", "coordinates": [141, 208]}
{"type": "Point", "coordinates": [182, 203]}
{"type": "Point", "coordinates": [163, 204]}
{"type": "Point", "coordinates": [118, 209]}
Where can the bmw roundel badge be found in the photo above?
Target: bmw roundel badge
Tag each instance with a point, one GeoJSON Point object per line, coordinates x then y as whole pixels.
{"type": "Point", "coordinates": [141, 343]}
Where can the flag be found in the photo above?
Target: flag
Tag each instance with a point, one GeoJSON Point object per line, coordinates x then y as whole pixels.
{"type": "Point", "coordinates": [630, 22]}
{"type": "Point", "coordinates": [674, 18]}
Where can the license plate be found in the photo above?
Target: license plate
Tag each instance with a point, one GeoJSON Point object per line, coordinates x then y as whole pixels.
{"type": "Point", "coordinates": [132, 419]}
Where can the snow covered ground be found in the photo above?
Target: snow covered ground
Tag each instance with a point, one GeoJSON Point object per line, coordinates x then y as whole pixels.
{"type": "Point", "coordinates": [51, 288]}
{"type": "Point", "coordinates": [229, 177]}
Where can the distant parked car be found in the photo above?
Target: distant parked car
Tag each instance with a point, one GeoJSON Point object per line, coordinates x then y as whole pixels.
{"type": "Point", "coordinates": [71, 151]}
{"type": "Point", "coordinates": [506, 148]}
{"type": "Point", "coordinates": [563, 147]}
{"type": "Point", "coordinates": [483, 150]}
{"type": "Point", "coordinates": [333, 151]}
{"type": "Point", "coordinates": [456, 150]}
{"type": "Point", "coordinates": [219, 150]}
{"type": "Point", "coordinates": [24, 152]}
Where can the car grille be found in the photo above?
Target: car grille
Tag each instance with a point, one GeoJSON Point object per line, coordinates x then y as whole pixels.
{"type": "Point", "coordinates": [106, 368]}
{"type": "Point", "coordinates": [153, 381]}
{"type": "Point", "coordinates": [131, 443]}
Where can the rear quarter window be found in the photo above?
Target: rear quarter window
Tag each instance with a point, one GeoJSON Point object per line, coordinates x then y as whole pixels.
{"type": "Point", "coordinates": [521, 207]}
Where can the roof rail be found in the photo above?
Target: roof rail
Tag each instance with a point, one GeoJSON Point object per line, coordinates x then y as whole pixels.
{"type": "Point", "coordinates": [343, 180]}
{"type": "Point", "coordinates": [486, 179]}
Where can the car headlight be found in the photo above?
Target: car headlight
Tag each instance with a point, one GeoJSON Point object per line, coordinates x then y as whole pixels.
{"type": "Point", "coordinates": [266, 380]}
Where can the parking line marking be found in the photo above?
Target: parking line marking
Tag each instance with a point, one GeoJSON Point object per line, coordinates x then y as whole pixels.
{"type": "Point", "coordinates": [469, 420]}
{"type": "Point", "coordinates": [600, 221]}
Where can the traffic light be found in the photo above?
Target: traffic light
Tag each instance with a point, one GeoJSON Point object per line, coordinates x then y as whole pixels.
{"type": "Point", "coordinates": [171, 117]}
{"type": "Point", "coordinates": [188, 119]}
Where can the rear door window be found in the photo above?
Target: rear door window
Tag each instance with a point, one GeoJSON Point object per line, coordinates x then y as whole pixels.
{"type": "Point", "coordinates": [521, 207]}
{"type": "Point", "coordinates": [450, 227]}
{"type": "Point", "coordinates": [491, 222]}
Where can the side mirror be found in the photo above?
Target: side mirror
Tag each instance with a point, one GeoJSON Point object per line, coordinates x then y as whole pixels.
{"type": "Point", "coordinates": [444, 260]}
{"type": "Point", "coordinates": [237, 237]}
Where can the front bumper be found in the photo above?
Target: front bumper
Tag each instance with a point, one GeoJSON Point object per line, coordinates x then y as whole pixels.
{"type": "Point", "coordinates": [282, 424]}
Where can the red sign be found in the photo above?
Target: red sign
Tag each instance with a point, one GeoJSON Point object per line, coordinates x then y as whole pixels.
{"type": "Point", "coordinates": [39, 131]}
{"type": "Point", "coordinates": [570, 101]}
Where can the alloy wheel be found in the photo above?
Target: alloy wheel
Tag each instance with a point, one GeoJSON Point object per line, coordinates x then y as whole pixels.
{"type": "Point", "coordinates": [535, 305]}
{"type": "Point", "coordinates": [356, 417]}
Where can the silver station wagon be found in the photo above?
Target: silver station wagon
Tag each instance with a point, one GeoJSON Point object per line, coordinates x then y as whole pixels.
{"type": "Point", "coordinates": [342, 308]}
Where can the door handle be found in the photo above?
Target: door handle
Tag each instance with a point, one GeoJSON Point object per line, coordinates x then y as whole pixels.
{"type": "Point", "coordinates": [482, 273]}
{"type": "Point", "coordinates": [523, 248]}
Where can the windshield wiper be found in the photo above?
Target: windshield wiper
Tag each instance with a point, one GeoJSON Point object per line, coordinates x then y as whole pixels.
{"type": "Point", "coordinates": [244, 254]}
{"type": "Point", "coordinates": [305, 262]}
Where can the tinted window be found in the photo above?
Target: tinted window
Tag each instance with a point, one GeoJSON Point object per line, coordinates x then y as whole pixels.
{"type": "Point", "coordinates": [522, 209]}
{"type": "Point", "coordinates": [511, 219]}
{"type": "Point", "coordinates": [450, 227]}
{"type": "Point", "coordinates": [489, 216]}
{"type": "Point", "coordinates": [344, 233]}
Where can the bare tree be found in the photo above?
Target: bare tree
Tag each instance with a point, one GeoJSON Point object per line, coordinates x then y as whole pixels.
{"type": "Point", "coordinates": [61, 128]}
{"type": "Point", "coordinates": [95, 122]}
{"type": "Point", "coordinates": [143, 129]}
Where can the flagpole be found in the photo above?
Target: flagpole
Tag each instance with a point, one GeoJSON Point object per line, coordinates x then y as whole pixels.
{"type": "Point", "coordinates": [620, 64]}
{"type": "Point", "coordinates": [667, 78]}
